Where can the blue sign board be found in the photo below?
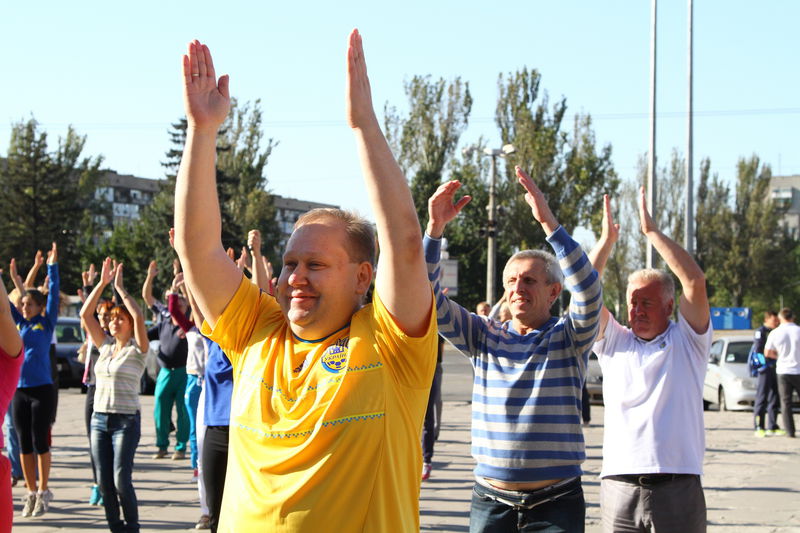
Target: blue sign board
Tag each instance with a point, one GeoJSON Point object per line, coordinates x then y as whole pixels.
{"type": "Point", "coordinates": [731, 317]}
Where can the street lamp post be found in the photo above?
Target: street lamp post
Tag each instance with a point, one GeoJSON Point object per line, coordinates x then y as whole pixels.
{"type": "Point", "coordinates": [491, 225]}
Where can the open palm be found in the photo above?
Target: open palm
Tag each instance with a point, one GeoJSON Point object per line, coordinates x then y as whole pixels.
{"type": "Point", "coordinates": [207, 100]}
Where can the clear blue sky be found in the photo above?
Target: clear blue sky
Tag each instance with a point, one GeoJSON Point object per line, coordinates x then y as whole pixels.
{"type": "Point", "coordinates": [113, 71]}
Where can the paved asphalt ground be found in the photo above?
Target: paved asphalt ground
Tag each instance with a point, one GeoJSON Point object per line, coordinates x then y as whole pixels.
{"type": "Point", "coordinates": [751, 485]}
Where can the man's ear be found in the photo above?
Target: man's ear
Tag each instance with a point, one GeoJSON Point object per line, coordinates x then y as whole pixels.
{"type": "Point", "coordinates": [364, 275]}
{"type": "Point", "coordinates": [555, 290]}
{"type": "Point", "coordinates": [670, 306]}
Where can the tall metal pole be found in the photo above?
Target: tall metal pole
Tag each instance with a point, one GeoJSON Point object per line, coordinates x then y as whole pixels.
{"type": "Point", "coordinates": [688, 234]}
{"type": "Point", "coordinates": [651, 159]}
{"type": "Point", "coordinates": [490, 231]}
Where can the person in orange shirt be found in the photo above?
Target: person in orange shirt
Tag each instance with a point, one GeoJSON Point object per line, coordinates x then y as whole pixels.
{"type": "Point", "coordinates": [329, 392]}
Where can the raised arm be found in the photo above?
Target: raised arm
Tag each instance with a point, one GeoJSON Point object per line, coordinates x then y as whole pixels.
{"type": "Point", "coordinates": [172, 304]}
{"type": "Point", "coordinates": [10, 341]}
{"type": "Point", "coordinates": [260, 275]}
{"type": "Point", "coordinates": [92, 325]}
{"type": "Point", "coordinates": [16, 279]}
{"type": "Point", "coordinates": [599, 255]}
{"type": "Point", "coordinates": [536, 200]}
{"type": "Point", "coordinates": [694, 300]}
{"type": "Point", "coordinates": [139, 327]}
{"type": "Point", "coordinates": [210, 275]}
{"type": "Point", "coordinates": [401, 280]}
{"type": "Point", "coordinates": [147, 286]}
{"type": "Point", "coordinates": [38, 261]}
{"type": "Point", "coordinates": [53, 287]}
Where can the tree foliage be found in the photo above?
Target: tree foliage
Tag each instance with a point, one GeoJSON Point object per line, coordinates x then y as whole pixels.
{"type": "Point", "coordinates": [566, 166]}
{"type": "Point", "coordinates": [47, 196]}
{"type": "Point", "coordinates": [245, 203]}
{"type": "Point", "coordinates": [425, 140]}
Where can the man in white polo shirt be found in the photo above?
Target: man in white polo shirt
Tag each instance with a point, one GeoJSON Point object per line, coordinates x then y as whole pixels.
{"type": "Point", "coordinates": [652, 389]}
{"type": "Point", "coordinates": [783, 344]}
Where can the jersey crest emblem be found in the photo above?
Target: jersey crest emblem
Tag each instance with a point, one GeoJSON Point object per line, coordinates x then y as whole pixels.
{"type": "Point", "coordinates": [334, 360]}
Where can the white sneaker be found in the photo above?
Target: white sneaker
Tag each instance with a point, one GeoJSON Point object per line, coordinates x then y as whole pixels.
{"type": "Point", "coordinates": [28, 502]}
{"type": "Point", "coordinates": [43, 500]}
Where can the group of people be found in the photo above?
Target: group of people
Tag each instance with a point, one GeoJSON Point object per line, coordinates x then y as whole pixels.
{"type": "Point", "coordinates": [329, 369]}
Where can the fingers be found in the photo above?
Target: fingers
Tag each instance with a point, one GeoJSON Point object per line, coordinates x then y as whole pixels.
{"type": "Point", "coordinates": [224, 86]}
{"type": "Point", "coordinates": [209, 64]}
{"type": "Point", "coordinates": [525, 180]}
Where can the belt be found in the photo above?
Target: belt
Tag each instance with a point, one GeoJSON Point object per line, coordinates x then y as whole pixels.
{"type": "Point", "coordinates": [646, 480]}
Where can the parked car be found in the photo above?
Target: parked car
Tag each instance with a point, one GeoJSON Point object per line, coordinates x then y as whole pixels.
{"type": "Point", "coordinates": [70, 338]}
{"type": "Point", "coordinates": [728, 382]}
{"type": "Point", "coordinates": [594, 380]}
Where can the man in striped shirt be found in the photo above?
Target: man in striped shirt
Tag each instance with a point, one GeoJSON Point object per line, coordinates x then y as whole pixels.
{"type": "Point", "coordinates": [529, 371]}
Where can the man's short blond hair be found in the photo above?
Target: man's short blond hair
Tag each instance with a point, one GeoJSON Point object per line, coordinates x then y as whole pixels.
{"type": "Point", "coordinates": [359, 231]}
{"type": "Point", "coordinates": [648, 275]}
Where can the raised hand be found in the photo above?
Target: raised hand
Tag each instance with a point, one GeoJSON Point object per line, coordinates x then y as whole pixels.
{"type": "Point", "coordinates": [118, 284]}
{"type": "Point", "coordinates": [610, 230]}
{"type": "Point", "coordinates": [172, 238]}
{"type": "Point", "coordinates": [254, 242]}
{"type": "Point", "coordinates": [177, 281]}
{"type": "Point", "coordinates": [38, 260]}
{"type": "Point", "coordinates": [152, 270]}
{"type": "Point", "coordinates": [106, 272]}
{"type": "Point", "coordinates": [442, 209]}
{"type": "Point", "coordinates": [176, 266]}
{"type": "Point", "coordinates": [535, 198]}
{"type": "Point", "coordinates": [646, 222]}
{"type": "Point", "coordinates": [244, 259]}
{"type": "Point", "coordinates": [206, 100]}
{"type": "Point", "coordinates": [88, 276]}
{"type": "Point", "coordinates": [52, 255]}
{"type": "Point", "coordinates": [358, 107]}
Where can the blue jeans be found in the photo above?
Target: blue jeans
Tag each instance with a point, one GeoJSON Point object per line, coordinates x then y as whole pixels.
{"type": "Point", "coordinates": [12, 446]}
{"type": "Point", "coordinates": [114, 441]}
{"type": "Point", "coordinates": [557, 508]}
{"type": "Point", "coordinates": [191, 397]}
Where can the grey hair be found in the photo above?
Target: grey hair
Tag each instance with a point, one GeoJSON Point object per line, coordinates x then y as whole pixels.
{"type": "Point", "coordinates": [551, 268]}
{"type": "Point", "coordinates": [654, 274]}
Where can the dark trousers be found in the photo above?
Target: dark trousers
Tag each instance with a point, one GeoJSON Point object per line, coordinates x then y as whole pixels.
{"type": "Point", "coordinates": [786, 384]}
{"type": "Point", "coordinates": [88, 410]}
{"type": "Point", "coordinates": [215, 463]}
{"type": "Point", "coordinates": [430, 428]}
{"type": "Point", "coordinates": [766, 399]}
{"type": "Point", "coordinates": [556, 508]}
{"type": "Point", "coordinates": [586, 406]}
{"type": "Point", "coordinates": [32, 410]}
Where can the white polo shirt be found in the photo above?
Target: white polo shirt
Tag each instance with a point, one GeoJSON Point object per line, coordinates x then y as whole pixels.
{"type": "Point", "coordinates": [785, 339]}
{"type": "Point", "coordinates": [653, 396]}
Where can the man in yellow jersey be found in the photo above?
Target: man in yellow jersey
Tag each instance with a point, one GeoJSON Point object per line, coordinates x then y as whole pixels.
{"type": "Point", "coordinates": [329, 394]}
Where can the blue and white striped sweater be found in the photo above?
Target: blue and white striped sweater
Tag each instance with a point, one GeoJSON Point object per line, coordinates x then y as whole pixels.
{"type": "Point", "coordinates": [526, 420]}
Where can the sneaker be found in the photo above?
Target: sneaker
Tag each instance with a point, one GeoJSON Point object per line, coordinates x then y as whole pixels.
{"type": "Point", "coordinates": [204, 522]}
{"type": "Point", "coordinates": [178, 455]}
{"type": "Point", "coordinates": [43, 500]}
{"type": "Point", "coordinates": [95, 498]}
{"type": "Point", "coordinates": [760, 434]}
{"type": "Point", "coordinates": [776, 432]}
{"type": "Point", "coordinates": [195, 476]}
{"type": "Point", "coordinates": [28, 503]}
{"type": "Point", "coordinates": [426, 471]}
{"type": "Point", "coordinates": [160, 454]}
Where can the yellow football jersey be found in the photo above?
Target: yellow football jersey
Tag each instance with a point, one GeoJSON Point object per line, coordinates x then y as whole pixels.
{"type": "Point", "coordinates": [324, 435]}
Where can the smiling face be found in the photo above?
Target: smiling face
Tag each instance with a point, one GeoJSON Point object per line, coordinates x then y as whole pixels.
{"type": "Point", "coordinates": [30, 308]}
{"type": "Point", "coordinates": [320, 285]}
{"type": "Point", "coordinates": [648, 308]}
{"type": "Point", "coordinates": [103, 316]}
{"type": "Point", "coordinates": [528, 293]}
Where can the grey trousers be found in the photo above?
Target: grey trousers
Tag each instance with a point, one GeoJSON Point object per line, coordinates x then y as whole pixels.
{"type": "Point", "coordinates": [675, 506]}
{"type": "Point", "coordinates": [787, 383]}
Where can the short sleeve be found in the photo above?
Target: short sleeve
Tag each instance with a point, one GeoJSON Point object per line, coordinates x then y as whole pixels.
{"type": "Point", "coordinates": [699, 342]}
{"type": "Point", "coordinates": [249, 310]}
{"type": "Point", "coordinates": [608, 344]}
{"type": "Point", "coordinates": [411, 360]}
{"type": "Point", "coordinates": [772, 340]}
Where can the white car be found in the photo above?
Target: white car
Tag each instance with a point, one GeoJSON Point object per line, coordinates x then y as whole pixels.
{"type": "Point", "coordinates": [728, 381]}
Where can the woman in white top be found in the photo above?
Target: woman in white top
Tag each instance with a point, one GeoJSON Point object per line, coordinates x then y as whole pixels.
{"type": "Point", "coordinates": [116, 422]}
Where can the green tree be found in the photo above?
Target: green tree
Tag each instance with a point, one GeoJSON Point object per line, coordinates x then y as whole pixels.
{"type": "Point", "coordinates": [241, 186]}
{"type": "Point", "coordinates": [425, 140]}
{"type": "Point", "coordinates": [744, 251]}
{"type": "Point", "coordinates": [567, 166]}
{"type": "Point", "coordinates": [47, 196]}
